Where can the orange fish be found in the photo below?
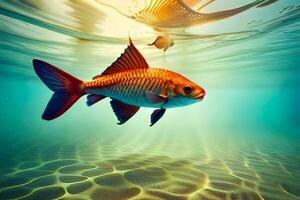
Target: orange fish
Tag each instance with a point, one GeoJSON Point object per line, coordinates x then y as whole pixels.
{"type": "Point", "coordinates": [129, 82]}
{"type": "Point", "coordinates": [163, 42]}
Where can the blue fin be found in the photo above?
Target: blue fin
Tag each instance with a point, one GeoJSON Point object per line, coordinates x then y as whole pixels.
{"type": "Point", "coordinates": [156, 115]}
{"type": "Point", "coordinates": [123, 111]}
{"type": "Point", "coordinates": [93, 98]}
{"type": "Point", "coordinates": [67, 88]}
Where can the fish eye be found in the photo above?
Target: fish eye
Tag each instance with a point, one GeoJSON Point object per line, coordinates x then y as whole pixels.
{"type": "Point", "coordinates": [188, 89]}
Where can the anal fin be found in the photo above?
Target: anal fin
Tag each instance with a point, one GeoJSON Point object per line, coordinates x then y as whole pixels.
{"type": "Point", "coordinates": [123, 111]}
{"type": "Point", "coordinates": [93, 98]}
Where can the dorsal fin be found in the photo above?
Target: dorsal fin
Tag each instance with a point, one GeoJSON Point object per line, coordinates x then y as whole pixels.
{"type": "Point", "coordinates": [130, 59]}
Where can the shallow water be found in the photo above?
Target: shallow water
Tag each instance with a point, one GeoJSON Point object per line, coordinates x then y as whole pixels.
{"type": "Point", "coordinates": [241, 142]}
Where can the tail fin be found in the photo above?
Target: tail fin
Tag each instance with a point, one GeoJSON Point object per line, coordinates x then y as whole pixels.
{"type": "Point", "coordinates": [67, 88]}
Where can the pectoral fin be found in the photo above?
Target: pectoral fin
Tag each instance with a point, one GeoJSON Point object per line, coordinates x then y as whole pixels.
{"type": "Point", "coordinates": [156, 115]}
{"type": "Point", "coordinates": [156, 99]}
{"type": "Point", "coordinates": [123, 111]}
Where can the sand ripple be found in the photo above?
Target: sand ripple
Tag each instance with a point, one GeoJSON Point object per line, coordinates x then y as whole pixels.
{"type": "Point", "coordinates": [145, 176]}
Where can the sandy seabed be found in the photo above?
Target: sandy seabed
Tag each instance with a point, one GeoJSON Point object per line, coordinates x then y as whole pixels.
{"type": "Point", "coordinates": [98, 170]}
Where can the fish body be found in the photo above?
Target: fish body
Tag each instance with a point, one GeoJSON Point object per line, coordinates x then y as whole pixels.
{"type": "Point", "coordinates": [132, 86]}
{"type": "Point", "coordinates": [129, 82]}
{"type": "Point", "coordinates": [163, 42]}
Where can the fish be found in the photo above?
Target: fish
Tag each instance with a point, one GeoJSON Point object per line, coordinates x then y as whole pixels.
{"type": "Point", "coordinates": [162, 42]}
{"type": "Point", "coordinates": [129, 82]}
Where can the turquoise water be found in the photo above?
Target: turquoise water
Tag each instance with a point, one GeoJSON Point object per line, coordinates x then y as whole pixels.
{"type": "Point", "coordinates": [241, 142]}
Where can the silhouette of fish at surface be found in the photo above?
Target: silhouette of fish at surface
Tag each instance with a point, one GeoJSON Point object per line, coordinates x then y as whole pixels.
{"type": "Point", "coordinates": [129, 82]}
{"type": "Point", "coordinates": [163, 42]}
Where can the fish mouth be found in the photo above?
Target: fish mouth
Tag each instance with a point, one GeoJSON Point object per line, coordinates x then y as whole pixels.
{"type": "Point", "coordinates": [200, 96]}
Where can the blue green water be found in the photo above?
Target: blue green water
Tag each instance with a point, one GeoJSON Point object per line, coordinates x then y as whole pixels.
{"type": "Point", "coordinates": [241, 142]}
